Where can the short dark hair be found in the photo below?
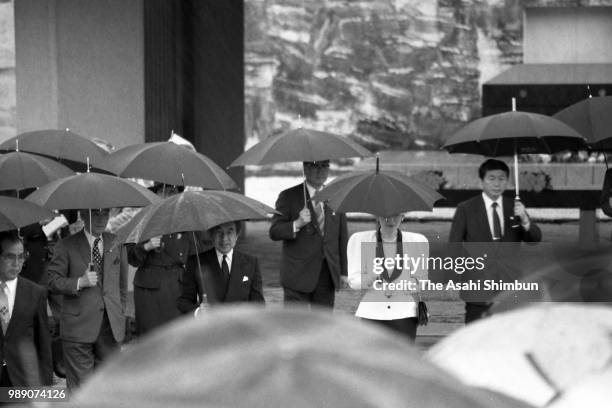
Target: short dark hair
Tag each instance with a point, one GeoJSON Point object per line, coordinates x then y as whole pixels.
{"type": "Point", "coordinates": [157, 187]}
{"type": "Point", "coordinates": [10, 237]}
{"type": "Point", "coordinates": [238, 225]}
{"type": "Point", "coordinates": [490, 165]}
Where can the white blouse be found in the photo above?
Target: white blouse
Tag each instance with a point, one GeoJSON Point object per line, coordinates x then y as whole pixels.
{"type": "Point", "coordinates": [383, 303]}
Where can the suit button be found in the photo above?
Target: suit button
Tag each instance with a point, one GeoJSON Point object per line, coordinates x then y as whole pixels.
{"type": "Point", "coordinates": [388, 307]}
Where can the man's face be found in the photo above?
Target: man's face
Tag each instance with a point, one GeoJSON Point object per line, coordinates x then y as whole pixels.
{"type": "Point", "coordinates": [12, 258]}
{"type": "Point", "coordinates": [99, 219]}
{"type": "Point", "coordinates": [316, 173]}
{"type": "Point", "coordinates": [224, 237]}
{"type": "Point", "coordinates": [494, 183]}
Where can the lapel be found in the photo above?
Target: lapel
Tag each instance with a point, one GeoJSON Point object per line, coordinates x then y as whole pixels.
{"type": "Point", "coordinates": [83, 247]}
{"type": "Point", "coordinates": [20, 298]}
{"type": "Point", "coordinates": [236, 276]}
{"type": "Point", "coordinates": [215, 281]}
{"type": "Point", "coordinates": [508, 219]}
{"type": "Point", "coordinates": [483, 220]}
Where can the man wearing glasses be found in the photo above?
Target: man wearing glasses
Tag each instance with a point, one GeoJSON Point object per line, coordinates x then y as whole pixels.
{"type": "Point", "coordinates": [90, 270]}
{"type": "Point", "coordinates": [26, 342]}
{"type": "Point", "coordinates": [313, 264]}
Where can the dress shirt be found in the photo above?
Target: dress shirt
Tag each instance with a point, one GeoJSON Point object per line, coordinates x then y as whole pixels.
{"type": "Point", "coordinates": [228, 259]}
{"type": "Point", "coordinates": [500, 212]}
{"type": "Point", "coordinates": [11, 290]}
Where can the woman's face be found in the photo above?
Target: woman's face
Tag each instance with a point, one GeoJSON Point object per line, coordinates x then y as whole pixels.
{"type": "Point", "coordinates": [391, 222]}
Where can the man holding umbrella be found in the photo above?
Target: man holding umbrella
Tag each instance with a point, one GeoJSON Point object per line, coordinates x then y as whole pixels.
{"type": "Point", "coordinates": [490, 217]}
{"type": "Point", "coordinates": [313, 264]}
{"type": "Point", "coordinates": [92, 321]}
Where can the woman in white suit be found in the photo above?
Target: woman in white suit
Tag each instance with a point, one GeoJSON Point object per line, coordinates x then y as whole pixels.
{"type": "Point", "coordinates": [394, 306]}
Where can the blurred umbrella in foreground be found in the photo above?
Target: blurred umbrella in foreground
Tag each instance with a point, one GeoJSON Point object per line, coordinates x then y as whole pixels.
{"type": "Point", "coordinates": [593, 391]}
{"type": "Point", "coordinates": [533, 354]}
{"type": "Point", "coordinates": [243, 356]}
{"type": "Point", "coordinates": [169, 163]}
{"type": "Point", "coordinates": [16, 213]}
{"type": "Point", "coordinates": [65, 146]}
{"type": "Point", "coordinates": [382, 193]}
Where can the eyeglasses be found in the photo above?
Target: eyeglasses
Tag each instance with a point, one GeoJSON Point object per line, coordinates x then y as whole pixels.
{"type": "Point", "coordinates": [14, 258]}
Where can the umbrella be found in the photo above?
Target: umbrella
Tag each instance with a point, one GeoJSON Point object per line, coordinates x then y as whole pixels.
{"type": "Point", "coordinates": [91, 190]}
{"type": "Point", "coordinates": [63, 145]}
{"type": "Point", "coordinates": [592, 118]}
{"type": "Point", "coordinates": [246, 356]}
{"type": "Point", "coordinates": [23, 170]}
{"type": "Point", "coordinates": [593, 391]}
{"type": "Point", "coordinates": [533, 354]}
{"type": "Point", "coordinates": [191, 211]}
{"type": "Point", "coordinates": [514, 133]}
{"type": "Point", "coordinates": [16, 213]}
{"type": "Point", "coordinates": [168, 163]}
{"type": "Point", "coordinates": [382, 193]}
{"type": "Point", "coordinates": [300, 145]}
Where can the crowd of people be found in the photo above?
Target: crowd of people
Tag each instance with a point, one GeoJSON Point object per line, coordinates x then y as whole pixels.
{"type": "Point", "coordinates": [174, 277]}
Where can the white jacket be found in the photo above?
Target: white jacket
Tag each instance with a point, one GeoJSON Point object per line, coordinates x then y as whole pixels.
{"type": "Point", "coordinates": [380, 303]}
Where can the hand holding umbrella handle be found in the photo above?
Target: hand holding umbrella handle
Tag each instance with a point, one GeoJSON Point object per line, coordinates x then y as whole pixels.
{"type": "Point", "coordinates": [516, 220]}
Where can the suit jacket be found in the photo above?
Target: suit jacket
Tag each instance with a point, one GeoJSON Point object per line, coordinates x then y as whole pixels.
{"type": "Point", "coordinates": [471, 225]}
{"type": "Point", "coordinates": [303, 252]}
{"type": "Point", "coordinates": [245, 284]}
{"type": "Point", "coordinates": [82, 311]}
{"type": "Point", "coordinates": [26, 345]}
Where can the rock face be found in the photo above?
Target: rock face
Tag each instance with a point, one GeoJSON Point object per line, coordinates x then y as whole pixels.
{"type": "Point", "coordinates": [393, 74]}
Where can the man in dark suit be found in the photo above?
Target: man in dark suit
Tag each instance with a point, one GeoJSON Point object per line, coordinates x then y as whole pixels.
{"type": "Point", "coordinates": [489, 218]}
{"type": "Point", "coordinates": [25, 346]}
{"type": "Point", "coordinates": [313, 264]}
{"type": "Point", "coordinates": [92, 323]}
{"type": "Point", "coordinates": [229, 276]}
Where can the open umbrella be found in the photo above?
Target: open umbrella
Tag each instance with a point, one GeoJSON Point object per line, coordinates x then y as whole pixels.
{"type": "Point", "coordinates": [16, 213]}
{"type": "Point", "coordinates": [246, 356]}
{"type": "Point", "coordinates": [191, 211]}
{"type": "Point", "coordinates": [533, 354]}
{"type": "Point", "coordinates": [513, 133]}
{"type": "Point", "coordinates": [382, 193]}
{"type": "Point", "coordinates": [63, 145]}
{"type": "Point", "coordinates": [168, 163]}
{"type": "Point", "coordinates": [23, 170]}
{"type": "Point", "coordinates": [92, 190]}
{"type": "Point", "coordinates": [592, 118]}
{"type": "Point", "coordinates": [300, 145]}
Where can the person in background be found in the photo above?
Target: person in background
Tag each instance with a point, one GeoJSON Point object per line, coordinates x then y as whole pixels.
{"type": "Point", "coordinates": [229, 276]}
{"type": "Point", "coordinates": [90, 270]}
{"type": "Point", "coordinates": [490, 217]}
{"type": "Point", "coordinates": [26, 340]}
{"type": "Point", "coordinates": [313, 263]}
{"type": "Point", "coordinates": [395, 309]}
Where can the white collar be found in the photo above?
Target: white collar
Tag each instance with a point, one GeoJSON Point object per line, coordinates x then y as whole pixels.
{"type": "Point", "coordinates": [91, 238]}
{"type": "Point", "coordinates": [488, 201]}
{"type": "Point", "coordinates": [11, 285]}
{"type": "Point", "coordinates": [229, 256]}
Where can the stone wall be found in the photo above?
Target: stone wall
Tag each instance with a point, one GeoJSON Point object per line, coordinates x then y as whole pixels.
{"type": "Point", "coordinates": [7, 71]}
{"type": "Point", "coordinates": [391, 74]}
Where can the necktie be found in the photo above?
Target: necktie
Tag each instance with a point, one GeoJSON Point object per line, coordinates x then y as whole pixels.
{"type": "Point", "coordinates": [497, 232]}
{"type": "Point", "coordinates": [4, 307]}
{"type": "Point", "coordinates": [319, 214]}
{"type": "Point", "coordinates": [225, 267]}
{"type": "Point", "coordinates": [97, 259]}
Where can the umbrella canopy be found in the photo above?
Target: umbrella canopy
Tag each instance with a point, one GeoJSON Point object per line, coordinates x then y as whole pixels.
{"type": "Point", "coordinates": [63, 145]}
{"type": "Point", "coordinates": [92, 190]}
{"type": "Point", "coordinates": [300, 145]}
{"type": "Point", "coordinates": [592, 118]}
{"type": "Point", "coordinates": [533, 354]}
{"type": "Point", "coordinates": [382, 193]}
{"type": "Point", "coordinates": [191, 211]}
{"type": "Point", "coordinates": [16, 213]}
{"type": "Point", "coordinates": [21, 170]}
{"type": "Point", "coordinates": [168, 163]}
{"type": "Point", "coordinates": [243, 356]}
{"type": "Point", "coordinates": [593, 391]}
{"type": "Point", "coordinates": [509, 133]}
